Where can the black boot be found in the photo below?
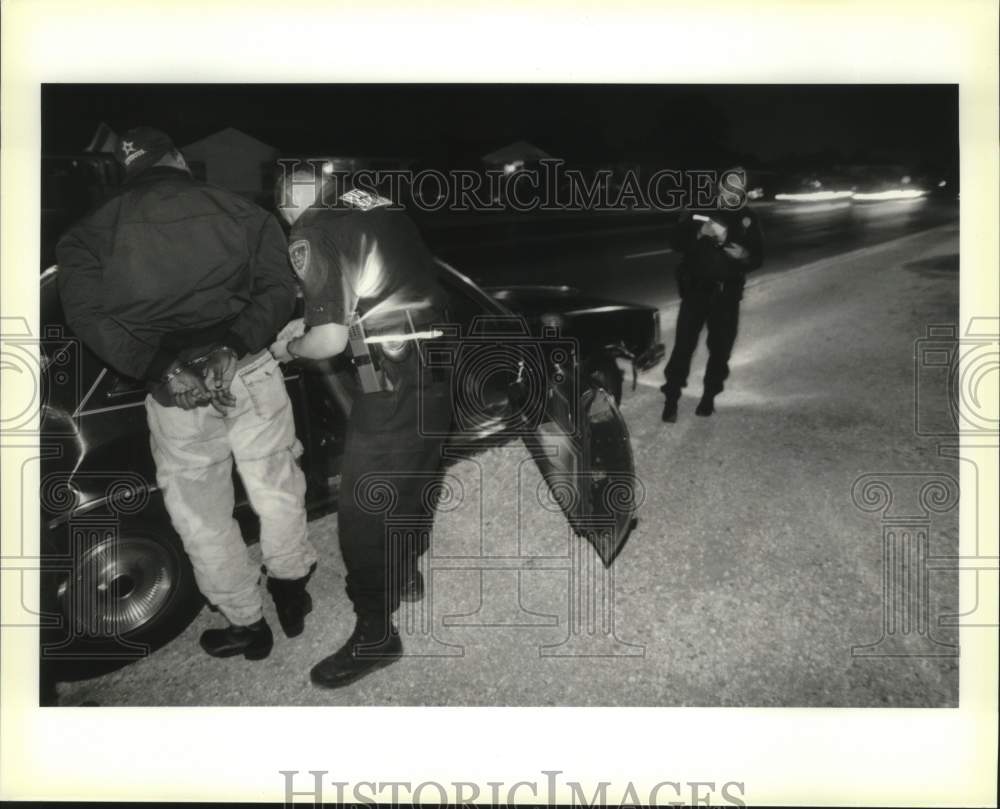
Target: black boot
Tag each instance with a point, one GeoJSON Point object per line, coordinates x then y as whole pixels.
{"type": "Point", "coordinates": [374, 644]}
{"type": "Point", "coordinates": [706, 407]}
{"type": "Point", "coordinates": [292, 602]}
{"type": "Point", "coordinates": [670, 409]}
{"type": "Point", "coordinates": [254, 642]}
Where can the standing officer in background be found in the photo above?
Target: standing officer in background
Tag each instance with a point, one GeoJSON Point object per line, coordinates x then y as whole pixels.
{"type": "Point", "coordinates": [184, 285]}
{"type": "Point", "coordinates": [720, 245]}
{"type": "Point", "coordinates": [370, 288]}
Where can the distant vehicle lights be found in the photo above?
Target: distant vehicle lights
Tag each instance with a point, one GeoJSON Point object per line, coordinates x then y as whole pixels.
{"type": "Point", "coordinates": [861, 196]}
{"type": "Point", "coordinates": [815, 196]}
{"type": "Point", "coordinates": [895, 193]}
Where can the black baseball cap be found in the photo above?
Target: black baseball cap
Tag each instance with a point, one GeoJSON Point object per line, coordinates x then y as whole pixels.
{"type": "Point", "coordinates": [142, 147]}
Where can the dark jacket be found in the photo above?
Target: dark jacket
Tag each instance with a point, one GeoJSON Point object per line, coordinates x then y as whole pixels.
{"type": "Point", "coordinates": [705, 263]}
{"type": "Point", "coordinates": [170, 267]}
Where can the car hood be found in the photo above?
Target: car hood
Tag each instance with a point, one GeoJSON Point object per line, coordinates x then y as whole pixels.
{"type": "Point", "coordinates": [538, 300]}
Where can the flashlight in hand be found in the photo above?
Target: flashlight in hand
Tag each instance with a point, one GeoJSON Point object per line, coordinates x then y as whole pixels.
{"type": "Point", "coordinates": [711, 228]}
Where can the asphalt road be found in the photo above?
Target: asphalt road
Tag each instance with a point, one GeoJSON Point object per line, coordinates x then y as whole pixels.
{"type": "Point", "coordinates": [628, 259]}
{"type": "Point", "coordinates": [752, 576]}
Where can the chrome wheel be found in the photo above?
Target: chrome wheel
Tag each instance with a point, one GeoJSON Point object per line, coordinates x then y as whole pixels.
{"type": "Point", "coordinates": [119, 586]}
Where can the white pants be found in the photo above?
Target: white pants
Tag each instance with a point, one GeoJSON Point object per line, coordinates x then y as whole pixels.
{"type": "Point", "coordinates": [194, 452]}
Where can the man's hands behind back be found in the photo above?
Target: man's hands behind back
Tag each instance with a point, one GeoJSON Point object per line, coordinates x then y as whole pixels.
{"type": "Point", "coordinates": [187, 389]}
{"type": "Point", "coordinates": [205, 381]}
{"type": "Point", "coordinates": [219, 370]}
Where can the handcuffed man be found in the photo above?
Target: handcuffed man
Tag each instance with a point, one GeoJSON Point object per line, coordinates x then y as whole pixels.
{"type": "Point", "coordinates": [184, 285]}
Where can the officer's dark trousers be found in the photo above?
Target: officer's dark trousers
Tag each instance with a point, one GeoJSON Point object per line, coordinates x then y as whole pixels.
{"type": "Point", "coordinates": [719, 310]}
{"type": "Point", "coordinates": [390, 481]}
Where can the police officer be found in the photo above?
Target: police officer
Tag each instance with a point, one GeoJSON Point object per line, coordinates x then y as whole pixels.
{"type": "Point", "coordinates": [184, 285]}
{"type": "Point", "coordinates": [720, 245]}
{"type": "Point", "coordinates": [370, 289]}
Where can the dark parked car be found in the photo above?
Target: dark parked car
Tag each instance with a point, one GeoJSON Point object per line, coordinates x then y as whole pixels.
{"type": "Point", "coordinates": [535, 363]}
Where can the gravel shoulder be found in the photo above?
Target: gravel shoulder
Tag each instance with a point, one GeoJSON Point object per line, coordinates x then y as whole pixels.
{"type": "Point", "coordinates": [749, 578]}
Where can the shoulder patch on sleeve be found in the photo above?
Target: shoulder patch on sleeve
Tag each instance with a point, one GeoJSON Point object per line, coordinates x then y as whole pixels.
{"type": "Point", "coordinates": [298, 253]}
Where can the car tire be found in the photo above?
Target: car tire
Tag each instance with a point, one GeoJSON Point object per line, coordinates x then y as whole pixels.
{"type": "Point", "coordinates": [126, 592]}
{"type": "Point", "coordinates": [602, 371]}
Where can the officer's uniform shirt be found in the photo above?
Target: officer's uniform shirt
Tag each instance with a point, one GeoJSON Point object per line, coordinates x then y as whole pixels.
{"type": "Point", "coordinates": [705, 260]}
{"type": "Point", "coordinates": [364, 257]}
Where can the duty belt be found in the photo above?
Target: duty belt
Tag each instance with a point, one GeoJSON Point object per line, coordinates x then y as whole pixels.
{"type": "Point", "coordinates": [389, 345]}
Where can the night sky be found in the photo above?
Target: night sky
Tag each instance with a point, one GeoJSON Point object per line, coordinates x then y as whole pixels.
{"type": "Point", "coordinates": [454, 124]}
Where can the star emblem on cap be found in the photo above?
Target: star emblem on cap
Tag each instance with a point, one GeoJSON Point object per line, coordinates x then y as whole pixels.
{"type": "Point", "coordinates": [128, 147]}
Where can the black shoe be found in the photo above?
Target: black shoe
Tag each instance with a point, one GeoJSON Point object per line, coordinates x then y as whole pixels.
{"type": "Point", "coordinates": [412, 589]}
{"type": "Point", "coordinates": [292, 602]}
{"type": "Point", "coordinates": [670, 410]}
{"type": "Point", "coordinates": [706, 407]}
{"type": "Point", "coordinates": [254, 642]}
{"type": "Point", "coordinates": [374, 644]}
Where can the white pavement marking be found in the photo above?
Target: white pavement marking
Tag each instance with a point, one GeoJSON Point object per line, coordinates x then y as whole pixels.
{"type": "Point", "coordinates": [648, 253]}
